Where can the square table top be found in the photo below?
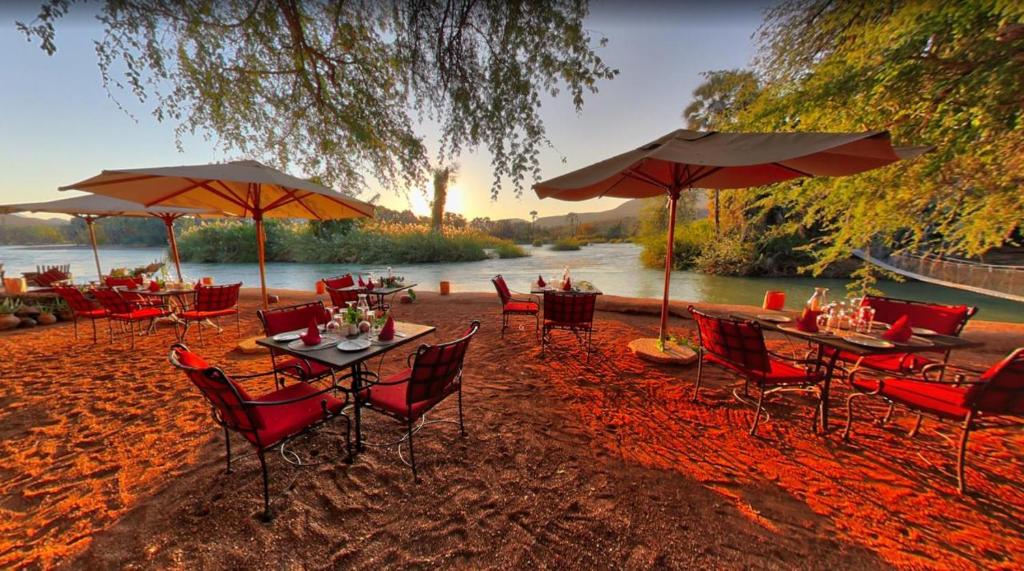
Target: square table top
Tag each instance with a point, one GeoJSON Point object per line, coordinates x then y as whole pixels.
{"type": "Point", "coordinates": [542, 290]}
{"type": "Point", "coordinates": [934, 342]}
{"type": "Point", "coordinates": [379, 290]}
{"type": "Point", "coordinates": [332, 356]}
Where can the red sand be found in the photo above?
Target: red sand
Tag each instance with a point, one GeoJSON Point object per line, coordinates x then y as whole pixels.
{"type": "Point", "coordinates": [111, 460]}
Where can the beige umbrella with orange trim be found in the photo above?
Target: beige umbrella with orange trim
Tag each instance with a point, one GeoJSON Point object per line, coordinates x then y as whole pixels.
{"type": "Point", "coordinates": [240, 188]}
{"type": "Point", "coordinates": [686, 159]}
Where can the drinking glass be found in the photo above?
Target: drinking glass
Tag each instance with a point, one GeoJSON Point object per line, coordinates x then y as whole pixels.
{"type": "Point", "coordinates": [774, 300]}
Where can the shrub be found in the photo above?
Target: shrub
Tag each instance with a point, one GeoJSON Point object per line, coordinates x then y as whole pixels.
{"type": "Point", "coordinates": [510, 250]}
{"type": "Point", "coordinates": [727, 256]}
{"type": "Point", "coordinates": [538, 243]}
{"type": "Point", "coordinates": [565, 244]}
{"type": "Point", "coordinates": [689, 242]}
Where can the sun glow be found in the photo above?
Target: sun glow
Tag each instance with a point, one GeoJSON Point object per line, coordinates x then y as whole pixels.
{"type": "Point", "coordinates": [419, 202]}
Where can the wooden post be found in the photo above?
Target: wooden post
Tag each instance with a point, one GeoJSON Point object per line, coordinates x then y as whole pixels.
{"type": "Point", "coordinates": [673, 196]}
{"type": "Point", "coordinates": [169, 222]}
{"type": "Point", "coordinates": [89, 220]}
{"type": "Point", "coordinates": [261, 240]}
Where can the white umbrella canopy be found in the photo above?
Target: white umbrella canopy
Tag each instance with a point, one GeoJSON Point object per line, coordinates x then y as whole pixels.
{"type": "Point", "coordinates": [91, 207]}
{"type": "Point", "coordinates": [241, 188]}
{"type": "Point", "coordinates": [686, 159]}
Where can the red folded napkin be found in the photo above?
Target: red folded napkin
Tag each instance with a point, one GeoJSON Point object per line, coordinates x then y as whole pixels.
{"type": "Point", "coordinates": [540, 281]}
{"type": "Point", "coordinates": [312, 334]}
{"type": "Point", "coordinates": [900, 331]}
{"type": "Point", "coordinates": [808, 321]}
{"type": "Point", "coordinates": [369, 284]}
{"type": "Point", "coordinates": [387, 333]}
{"type": "Point", "coordinates": [361, 282]}
{"type": "Point", "coordinates": [154, 286]}
{"type": "Point", "coordinates": [567, 285]}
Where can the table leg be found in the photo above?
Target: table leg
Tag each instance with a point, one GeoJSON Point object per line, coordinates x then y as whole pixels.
{"type": "Point", "coordinates": [357, 376]}
{"type": "Point", "coordinates": [825, 388]}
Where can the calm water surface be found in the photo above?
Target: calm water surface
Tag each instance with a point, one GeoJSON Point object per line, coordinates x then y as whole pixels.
{"type": "Point", "coordinates": [613, 268]}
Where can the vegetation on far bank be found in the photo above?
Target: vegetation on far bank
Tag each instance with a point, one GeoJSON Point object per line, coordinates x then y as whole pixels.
{"type": "Point", "coordinates": [364, 242]}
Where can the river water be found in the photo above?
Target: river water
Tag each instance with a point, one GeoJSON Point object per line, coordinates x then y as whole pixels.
{"type": "Point", "coordinates": [614, 268]}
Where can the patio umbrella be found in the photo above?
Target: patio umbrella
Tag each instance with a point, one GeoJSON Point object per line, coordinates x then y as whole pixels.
{"type": "Point", "coordinates": [241, 188]}
{"type": "Point", "coordinates": [91, 207]}
{"type": "Point", "coordinates": [686, 159]}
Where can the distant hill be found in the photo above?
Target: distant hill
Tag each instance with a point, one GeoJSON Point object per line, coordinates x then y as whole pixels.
{"type": "Point", "coordinates": [626, 212]}
{"type": "Point", "coordinates": [19, 221]}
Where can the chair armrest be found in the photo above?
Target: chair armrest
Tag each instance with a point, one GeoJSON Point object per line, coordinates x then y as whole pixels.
{"type": "Point", "coordinates": [288, 401]}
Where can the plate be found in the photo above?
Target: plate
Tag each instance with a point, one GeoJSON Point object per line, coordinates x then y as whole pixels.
{"type": "Point", "coordinates": [354, 345]}
{"type": "Point", "coordinates": [774, 318]}
{"type": "Point", "coordinates": [282, 337]}
{"type": "Point", "coordinates": [300, 345]}
{"type": "Point", "coordinates": [923, 331]}
{"type": "Point", "coordinates": [868, 341]}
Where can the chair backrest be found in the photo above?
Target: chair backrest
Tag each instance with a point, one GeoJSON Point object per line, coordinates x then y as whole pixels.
{"type": "Point", "coordinates": [225, 396]}
{"type": "Point", "coordinates": [292, 317]}
{"type": "Point", "coordinates": [503, 292]}
{"type": "Point", "coordinates": [340, 298]}
{"type": "Point", "coordinates": [943, 319]}
{"type": "Point", "coordinates": [215, 298]}
{"type": "Point", "coordinates": [338, 282]}
{"type": "Point", "coordinates": [112, 301]}
{"type": "Point", "coordinates": [111, 281]}
{"type": "Point", "coordinates": [569, 308]}
{"type": "Point", "coordinates": [1003, 389]}
{"type": "Point", "coordinates": [436, 367]}
{"type": "Point", "coordinates": [75, 299]}
{"type": "Point", "coordinates": [736, 341]}
{"type": "Point", "coordinates": [50, 277]}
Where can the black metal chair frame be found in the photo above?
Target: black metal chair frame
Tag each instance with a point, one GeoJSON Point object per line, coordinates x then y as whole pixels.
{"type": "Point", "coordinates": [506, 313]}
{"type": "Point", "coordinates": [584, 334]}
{"type": "Point", "coordinates": [215, 321]}
{"type": "Point", "coordinates": [301, 376]}
{"type": "Point", "coordinates": [218, 375]}
{"type": "Point", "coordinates": [810, 385]}
{"type": "Point", "coordinates": [973, 422]}
{"type": "Point", "coordinates": [129, 324]}
{"type": "Point", "coordinates": [408, 419]}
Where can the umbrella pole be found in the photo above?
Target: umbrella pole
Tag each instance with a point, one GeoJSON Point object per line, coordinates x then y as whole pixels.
{"type": "Point", "coordinates": [261, 253]}
{"type": "Point", "coordinates": [89, 220]}
{"type": "Point", "coordinates": [669, 254]}
{"type": "Point", "coordinates": [169, 222]}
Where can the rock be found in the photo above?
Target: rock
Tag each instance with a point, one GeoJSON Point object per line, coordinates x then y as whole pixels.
{"type": "Point", "coordinates": [406, 298]}
{"type": "Point", "coordinates": [647, 349]}
{"type": "Point", "coordinates": [249, 346]}
{"type": "Point", "coordinates": [46, 319]}
{"type": "Point", "coordinates": [27, 322]}
{"type": "Point", "coordinates": [8, 321]}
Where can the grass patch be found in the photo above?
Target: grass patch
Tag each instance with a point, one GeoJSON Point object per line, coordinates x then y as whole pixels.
{"type": "Point", "coordinates": [566, 244]}
{"type": "Point", "coordinates": [510, 250]}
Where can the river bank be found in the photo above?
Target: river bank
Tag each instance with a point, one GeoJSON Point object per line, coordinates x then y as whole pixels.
{"type": "Point", "coordinates": [616, 269]}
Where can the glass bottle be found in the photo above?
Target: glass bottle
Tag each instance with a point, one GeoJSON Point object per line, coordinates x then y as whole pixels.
{"type": "Point", "coordinates": [363, 306]}
{"type": "Point", "coordinates": [817, 300]}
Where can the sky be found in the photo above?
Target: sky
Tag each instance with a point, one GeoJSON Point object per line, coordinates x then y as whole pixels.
{"type": "Point", "coordinates": [58, 125]}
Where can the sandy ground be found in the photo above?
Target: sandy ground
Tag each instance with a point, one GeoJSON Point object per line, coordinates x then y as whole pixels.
{"type": "Point", "coordinates": [110, 459]}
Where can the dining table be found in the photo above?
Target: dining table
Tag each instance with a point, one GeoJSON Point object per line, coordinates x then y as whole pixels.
{"type": "Point", "coordinates": [536, 290]}
{"type": "Point", "coordinates": [381, 291]}
{"type": "Point", "coordinates": [830, 344]}
{"type": "Point", "coordinates": [330, 355]}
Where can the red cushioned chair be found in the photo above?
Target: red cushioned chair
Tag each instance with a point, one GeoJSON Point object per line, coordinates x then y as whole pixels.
{"type": "Point", "coordinates": [51, 278]}
{"type": "Point", "coordinates": [210, 302]}
{"type": "Point", "coordinates": [569, 311]}
{"type": "Point", "coordinates": [292, 318]}
{"type": "Point", "coordinates": [341, 297]}
{"type": "Point", "coordinates": [943, 319]}
{"type": "Point", "coordinates": [266, 421]}
{"type": "Point", "coordinates": [81, 307]}
{"type": "Point", "coordinates": [512, 306]}
{"type": "Point", "coordinates": [997, 394]}
{"type": "Point", "coordinates": [339, 282]}
{"type": "Point", "coordinates": [434, 372]}
{"type": "Point", "coordinates": [127, 312]}
{"type": "Point", "coordinates": [738, 346]}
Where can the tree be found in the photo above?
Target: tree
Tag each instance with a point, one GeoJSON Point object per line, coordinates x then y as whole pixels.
{"type": "Point", "coordinates": [533, 223]}
{"type": "Point", "coordinates": [443, 176]}
{"type": "Point", "coordinates": [573, 220]}
{"type": "Point", "coordinates": [335, 87]}
{"type": "Point", "coordinates": [715, 106]}
{"type": "Point", "coordinates": [948, 74]}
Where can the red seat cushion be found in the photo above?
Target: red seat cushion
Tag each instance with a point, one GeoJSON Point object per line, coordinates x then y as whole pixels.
{"type": "Point", "coordinates": [92, 313]}
{"type": "Point", "coordinates": [890, 363]}
{"type": "Point", "coordinates": [946, 401]}
{"type": "Point", "coordinates": [139, 314]}
{"type": "Point", "coordinates": [392, 398]}
{"type": "Point", "coordinates": [281, 421]}
{"type": "Point", "coordinates": [310, 369]}
{"type": "Point", "coordinates": [193, 315]}
{"type": "Point", "coordinates": [779, 373]}
{"type": "Point", "coordinates": [521, 307]}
